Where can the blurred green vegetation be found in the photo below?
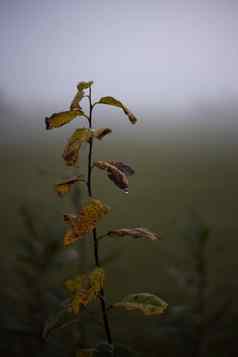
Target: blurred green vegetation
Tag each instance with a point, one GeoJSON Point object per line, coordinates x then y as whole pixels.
{"type": "Point", "coordinates": [185, 187]}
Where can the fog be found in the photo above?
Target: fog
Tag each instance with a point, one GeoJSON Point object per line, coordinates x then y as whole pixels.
{"type": "Point", "coordinates": [154, 54]}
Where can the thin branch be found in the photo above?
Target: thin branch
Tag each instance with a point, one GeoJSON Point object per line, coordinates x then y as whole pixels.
{"type": "Point", "coordinates": [90, 194]}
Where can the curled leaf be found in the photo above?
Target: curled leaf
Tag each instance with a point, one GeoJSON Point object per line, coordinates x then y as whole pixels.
{"type": "Point", "coordinates": [84, 85]}
{"type": "Point", "coordinates": [135, 233]}
{"type": "Point", "coordinates": [59, 119]}
{"type": "Point", "coordinates": [85, 222]}
{"type": "Point", "coordinates": [71, 151]}
{"type": "Point", "coordinates": [116, 103]}
{"type": "Point", "coordinates": [76, 100]}
{"type": "Point", "coordinates": [84, 289]}
{"type": "Point", "coordinates": [117, 172]}
{"type": "Point", "coordinates": [125, 168]}
{"type": "Point", "coordinates": [149, 304]}
{"type": "Point", "coordinates": [65, 186]}
{"type": "Point", "coordinates": [101, 132]}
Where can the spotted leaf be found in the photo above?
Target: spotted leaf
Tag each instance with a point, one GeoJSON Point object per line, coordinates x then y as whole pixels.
{"type": "Point", "coordinates": [85, 222]}
{"type": "Point", "coordinates": [84, 288]}
{"type": "Point", "coordinates": [72, 148]}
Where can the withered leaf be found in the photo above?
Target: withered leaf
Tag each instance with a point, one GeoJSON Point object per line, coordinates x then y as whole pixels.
{"type": "Point", "coordinates": [57, 120]}
{"type": "Point", "coordinates": [76, 100]}
{"type": "Point", "coordinates": [117, 176]}
{"type": "Point", "coordinates": [85, 222]}
{"type": "Point", "coordinates": [84, 85]}
{"type": "Point", "coordinates": [135, 233]}
{"type": "Point", "coordinates": [116, 103]}
{"type": "Point", "coordinates": [71, 151]}
{"type": "Point", "coordinates": [84, 288]}
{"type": "Point", "coordinates": [65, 186]}
{"type": "Point", "coordinates": [125, 168]}
{"type": "Point", "coordinates": [149, 304]}
{"type": "Point", "coordinates": [101, 132]}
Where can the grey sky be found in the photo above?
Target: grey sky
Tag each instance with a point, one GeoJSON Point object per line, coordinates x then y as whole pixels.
{"type": "Point", "coordinates": [167, 52]}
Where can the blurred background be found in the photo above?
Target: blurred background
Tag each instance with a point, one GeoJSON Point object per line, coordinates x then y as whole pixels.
{"type": "Point", "coordinates": [174, 64]}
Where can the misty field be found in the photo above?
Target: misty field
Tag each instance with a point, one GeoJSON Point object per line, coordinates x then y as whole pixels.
{"type": "Point", "coordinates": [185, 177]}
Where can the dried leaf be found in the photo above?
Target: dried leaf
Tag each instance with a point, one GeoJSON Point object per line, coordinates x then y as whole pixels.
{"type": "Point", "coordinates": [84, 85]}
{"type": "Point", "coordinates": [135, 233]}
{"type": "Point", "coordinates": [149, 304]}
{"type": "Point", "coordinates": [71, 151]}
{"type": "Point", "coordinates": [59, 119]}
{"type": "Point", "coordinates": [65, 186]}
{"type": "Point", "coordinates": [84, 289]}
{"type": "Point", "coordinates": [125, 168]}
{"type": "Point", "coordinates": [101, 132]}
{"type": "Point", "coordinates": [114, 173]}
{"type": "Point", "coordinates": [85, 222]}
{"type": "Point", "coordinates": [75, 102]}
{"type": "Point", "coordinates": [116, 103]}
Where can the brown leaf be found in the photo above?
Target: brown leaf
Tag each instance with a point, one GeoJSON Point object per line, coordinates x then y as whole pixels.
{"type": "Point", "coordinates": [126, 169]}
{"type": "Point", "coordinates": [57, 120]}
{"type": "Point", "coordinates": [114, 174]}
{"type": "Point", "coordinates": [65, 186]}
{"type": "Point", "coordinates": [101, 132]}
{"type": "Point", "coordinates": [85, 222]}
{"type": "Point", "coordinates": [84, 288]}
{"type": "Point", "coordinates": [149, 304]}
{"type": "Point", "coordinates": [71, 151]}
{"type": "Point", "coordinates": [116, 103]}
{"type": "Point", "coordinates": [135, 233]}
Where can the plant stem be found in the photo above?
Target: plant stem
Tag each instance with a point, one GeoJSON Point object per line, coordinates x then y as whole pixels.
{"type": "Point", "coordinates": [96, 255]}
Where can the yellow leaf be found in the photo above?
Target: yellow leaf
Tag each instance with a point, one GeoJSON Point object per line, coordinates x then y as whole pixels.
{"type": "Point", "coordinates": [84, 85]}
{"type": "Point", "coordinates": [85, 222]}
{"type": "Point", "coordinates": [116, 103]}
{"type": "Point", "coordinates": [73, 284]}
{"type": "Point", "coordinates": [71, 151]}
{"type": "Point", "coordinates": [65, 186]}
{"type": "Point", "coordinates": [59, 119]}
{"type": "Point", "coordinates": [149, 304]}
{"type": "Point", "coordinates": [75, 102]}
{"type": "Point", "coordinates": [97, 279]}
{"type": "Point", "coordinates": [84, 289]}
